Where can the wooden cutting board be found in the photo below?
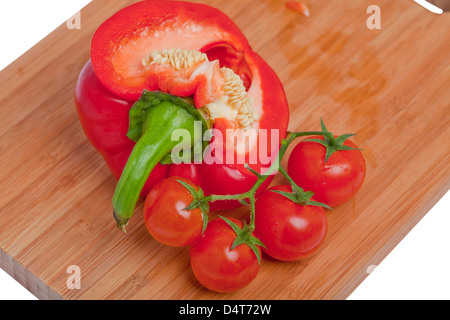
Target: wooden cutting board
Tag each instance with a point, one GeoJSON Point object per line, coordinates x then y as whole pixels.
{"type": "Point", "coordinates": [390, 86]}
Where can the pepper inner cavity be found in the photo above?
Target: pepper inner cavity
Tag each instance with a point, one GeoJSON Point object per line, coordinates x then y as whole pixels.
{"type": "Point", "coordinates": [233, 103]}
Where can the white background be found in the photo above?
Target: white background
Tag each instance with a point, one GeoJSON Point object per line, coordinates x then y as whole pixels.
{"type": "Point", "coordinates": [418, 268]}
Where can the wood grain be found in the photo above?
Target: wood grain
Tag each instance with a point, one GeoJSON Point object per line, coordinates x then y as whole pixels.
{"type": "Point", "coordinates": [391, 86]}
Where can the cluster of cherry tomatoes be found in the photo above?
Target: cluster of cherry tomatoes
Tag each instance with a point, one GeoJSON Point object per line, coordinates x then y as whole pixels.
{"type": "Point", "coordinates": [288, 226]}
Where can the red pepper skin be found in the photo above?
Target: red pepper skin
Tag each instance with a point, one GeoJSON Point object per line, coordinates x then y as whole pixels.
{"type": "Point", "coordinates": [104, 119]}
{"type": "Point", "coordinates": [103, 99]}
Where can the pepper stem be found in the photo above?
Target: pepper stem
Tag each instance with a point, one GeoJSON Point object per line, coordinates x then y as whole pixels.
{"type": "Point", "coordinates": [153, 119]}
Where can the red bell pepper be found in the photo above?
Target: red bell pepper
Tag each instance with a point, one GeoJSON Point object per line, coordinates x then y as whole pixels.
{"type": "Point", "coordinates": [186, 50]}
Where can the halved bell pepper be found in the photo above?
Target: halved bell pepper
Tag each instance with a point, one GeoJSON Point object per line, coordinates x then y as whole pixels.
{"type": "Point", "coordinates": [186, 50]}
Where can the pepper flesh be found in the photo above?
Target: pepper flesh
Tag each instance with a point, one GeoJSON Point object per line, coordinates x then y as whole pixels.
{"type": "Point", "coordinates": [107, 86]}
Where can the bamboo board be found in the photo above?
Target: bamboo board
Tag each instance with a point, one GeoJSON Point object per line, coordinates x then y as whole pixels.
{"type": "Point", "coordinates": [391, 86]}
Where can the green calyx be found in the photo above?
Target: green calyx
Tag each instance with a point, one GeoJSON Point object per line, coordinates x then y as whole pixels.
{"type": "Point", "coordinates": [301, 197]}
{"type": "Point", "coordinates": [153, 119]}
{"type": "Point", "coordinates": [198, 202]}
{"type": "Point", "coordinates": [298, 195]}
{"type": "Point", "coordinates": [244, 236]}
{"type": "Point", "coordinates": [331, 143]}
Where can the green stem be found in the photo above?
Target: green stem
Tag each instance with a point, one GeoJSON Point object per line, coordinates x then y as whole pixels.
{"type": "Point", "coordinates": [153, 119]}
{"type": "Point", "coordinates": [251, 227]}
{"type": "Point", "coordinates": [286, 175]}
{"type": "Point", "coordinates": [275, 166]}
{"type": "Point", "coordinates": [146, 154]}
{"type": "Point", "coordinates": [244, 235]}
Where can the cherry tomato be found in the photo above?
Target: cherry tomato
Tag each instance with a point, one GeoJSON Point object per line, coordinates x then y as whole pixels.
{"type": "Point", "coordinates": [289, 231]}
{"type": "Point", "coordinates": [218, 267]}
{"type": "Point", "coordinates": [165, 217]}
{"type": "Point", "coordinates": [334, 182]}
